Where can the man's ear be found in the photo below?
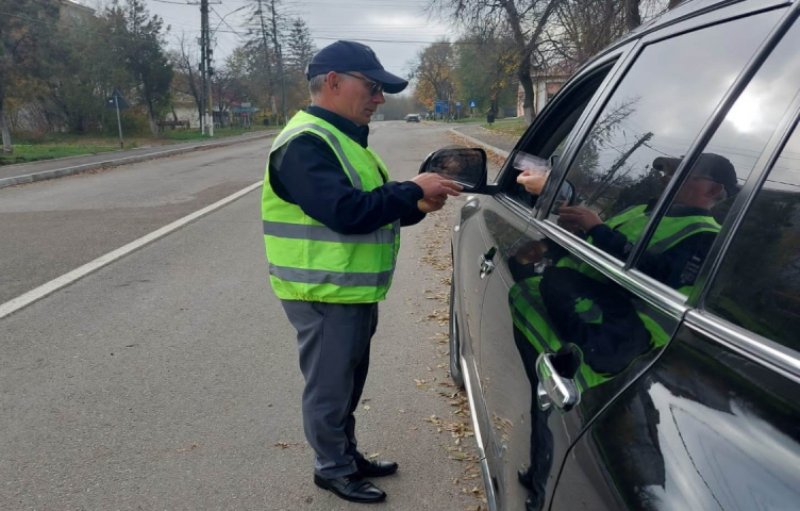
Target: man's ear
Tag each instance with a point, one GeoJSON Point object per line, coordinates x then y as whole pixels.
{"type": "Point", "coordinates": [716, 191]}
{"type": "Point", "coordinates": [332, 78]}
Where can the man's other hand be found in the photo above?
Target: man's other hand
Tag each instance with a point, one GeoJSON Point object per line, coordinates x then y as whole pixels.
{"type": "Point", "coordinates": [434, 185]}
{"type": "Point", "coordinates": [577, 218]}
{"type": "Point", "coordinates": [432, 204]}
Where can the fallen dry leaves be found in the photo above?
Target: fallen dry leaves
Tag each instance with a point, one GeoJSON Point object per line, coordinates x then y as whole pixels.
{"type": "Point", "coordinates": [457, 425]}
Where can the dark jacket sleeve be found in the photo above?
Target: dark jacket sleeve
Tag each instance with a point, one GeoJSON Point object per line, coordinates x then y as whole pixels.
{"type": "Point", "coordinates": [676, 267]}
{"type": "Point", "coordinates": [308, 174]}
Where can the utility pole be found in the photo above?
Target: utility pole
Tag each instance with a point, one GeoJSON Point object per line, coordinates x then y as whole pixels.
{"type": "Point", "coordinates": [205, 44]}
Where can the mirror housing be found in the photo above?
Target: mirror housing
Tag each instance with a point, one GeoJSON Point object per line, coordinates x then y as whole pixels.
{"type": "Point", "coordinates": [566, 195]}
{"type": "Point", "coordinates": [464, 165]}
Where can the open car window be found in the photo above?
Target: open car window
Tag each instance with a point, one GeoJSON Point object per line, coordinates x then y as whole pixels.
{"type": "Point", "coordinates": [546, 144]}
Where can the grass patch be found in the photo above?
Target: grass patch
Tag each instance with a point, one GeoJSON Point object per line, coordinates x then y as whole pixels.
{"type": "Point", "coordinates": [514, 126]}
{"type": "Point", "coordinates": [24, 153]}
{"type": "Point", "coordinates": [184, 135]}
{"type": "Point", "coordinates": [47, 147]}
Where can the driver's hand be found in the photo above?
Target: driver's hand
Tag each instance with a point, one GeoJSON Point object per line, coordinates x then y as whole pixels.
{"type": "Point", "coordinates": [578, 218]}
{"type": "Point", "coordinates": [533, 179]}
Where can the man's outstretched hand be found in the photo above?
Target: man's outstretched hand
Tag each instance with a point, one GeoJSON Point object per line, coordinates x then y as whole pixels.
{"type": "Point", "coordinates": [435, 190]}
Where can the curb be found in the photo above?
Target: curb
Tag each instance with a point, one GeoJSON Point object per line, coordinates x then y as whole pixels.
{"type": "Point", "coordinates": [500, 152]}
{"type": "Point", "coordinates": [116, 162]}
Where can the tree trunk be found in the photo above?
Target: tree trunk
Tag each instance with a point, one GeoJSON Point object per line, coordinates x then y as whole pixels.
{"type": "Point", "coordinates": [151, 117]}
{"type": "Point", "coordinates": [526, 82]}
{"type": "Point", "coordinates": [5, 131]}
{"type": "Point", "coordinates": [633, 17]}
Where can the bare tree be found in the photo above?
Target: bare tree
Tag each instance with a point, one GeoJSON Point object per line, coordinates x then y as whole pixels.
{"type": "Point", "coordinates": [581, 28]}
{"type": "Point", "coordinates": [24, 32]}
{"type": "Point", "coordinates": [188, 80]}
{"type": "Point", "coordinates": [526, 20]}
{"type": "Point", "coordinates": [269, 24]}
{"type": "Point", "coordinates": [435, 74]}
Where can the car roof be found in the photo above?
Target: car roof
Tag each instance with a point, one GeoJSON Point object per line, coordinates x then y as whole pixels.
{"type": "Point", "coordinates": [688, 10]}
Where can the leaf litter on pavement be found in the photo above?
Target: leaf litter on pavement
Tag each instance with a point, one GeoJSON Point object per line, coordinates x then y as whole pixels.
{"type": "Point", "coordinates": [457, 425]}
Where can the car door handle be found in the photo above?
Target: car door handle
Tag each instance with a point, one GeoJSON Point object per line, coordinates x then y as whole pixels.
{"type": "Point", "coordinates": [554, 389]}
{"type": "Point", "coordinates": [486, 262]}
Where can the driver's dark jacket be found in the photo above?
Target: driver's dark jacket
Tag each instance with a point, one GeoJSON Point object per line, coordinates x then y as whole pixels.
{"type": "Point", "coordinates": [676, 267]}
{"type": "Point", "coordinates": [307, 173]}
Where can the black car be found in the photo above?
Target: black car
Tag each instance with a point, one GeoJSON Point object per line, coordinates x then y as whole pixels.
{"type": "Point", "coordinates": [629, 335]}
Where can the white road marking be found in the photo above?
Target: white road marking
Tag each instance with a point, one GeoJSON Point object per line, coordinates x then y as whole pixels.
{"type": "Point", "coordinates": [40, 292]}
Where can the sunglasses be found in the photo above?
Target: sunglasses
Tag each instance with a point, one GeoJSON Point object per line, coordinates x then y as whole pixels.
{"type": "Point", "coordinates": [374, 87]}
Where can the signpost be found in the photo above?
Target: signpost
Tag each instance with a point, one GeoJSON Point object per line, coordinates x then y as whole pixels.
{"type": "Point", "coordinates": [117, 102]}
{"type": "Point", "coordinates": [441, 107]}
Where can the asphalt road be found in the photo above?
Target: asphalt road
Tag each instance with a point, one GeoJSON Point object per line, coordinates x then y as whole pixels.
{"type": "Point", "coordinates": [168, 378]}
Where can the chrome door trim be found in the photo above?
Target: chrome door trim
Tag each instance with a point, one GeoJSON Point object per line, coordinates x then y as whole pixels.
{"type": "Point", "coordinates": [754, 347]}
{"type": "Point", "coordinates": [491, 498]}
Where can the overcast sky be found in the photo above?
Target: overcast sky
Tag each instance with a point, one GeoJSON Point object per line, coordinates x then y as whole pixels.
{"type": "Point", "coordinates": [396, 29]}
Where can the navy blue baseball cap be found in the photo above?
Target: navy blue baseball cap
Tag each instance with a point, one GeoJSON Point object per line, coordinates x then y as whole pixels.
{"type": "Point", "coordinates": [711, 165]}
{"type": "Point", "coordinates": [344, 56]}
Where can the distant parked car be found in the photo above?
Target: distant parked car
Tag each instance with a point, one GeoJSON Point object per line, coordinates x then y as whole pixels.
{"type": "Point", "coordinates": [412, 118]}
{"type": "Point", "coordinates": [628, 332]}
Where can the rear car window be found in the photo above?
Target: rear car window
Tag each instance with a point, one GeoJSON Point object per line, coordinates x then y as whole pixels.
{"type": "Point", "coordinates": [758, 284]}
{"type": "Point", "coordinates": [659, 108]}
{"type": "Point", "coordinates": [712, 182]}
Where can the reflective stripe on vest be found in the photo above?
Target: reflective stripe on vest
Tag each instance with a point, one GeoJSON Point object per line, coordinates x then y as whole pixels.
{"type": "Point", "coordinates": [309, 261]}
{"type": "Point", "coordinates": [529, 315]}
{"type": "Point", "coordinates": [670, 231]}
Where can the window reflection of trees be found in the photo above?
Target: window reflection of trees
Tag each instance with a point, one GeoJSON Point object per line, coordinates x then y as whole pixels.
{"type": "Point", "coordinates": [629, 178]}
{"type": "Point", "coordinates": [602, 139]}
{"type": "Point", "coordinates": [766, 250]}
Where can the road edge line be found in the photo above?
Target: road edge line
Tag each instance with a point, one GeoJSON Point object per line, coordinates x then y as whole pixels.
{"type": "Point", "coordinates": [68, 278]}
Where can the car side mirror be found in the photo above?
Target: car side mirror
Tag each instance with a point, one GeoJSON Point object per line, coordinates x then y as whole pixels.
{"type": "Point", "coordinates": [566, 194]}
{"type": "Point", "coordinates": [464, 165]}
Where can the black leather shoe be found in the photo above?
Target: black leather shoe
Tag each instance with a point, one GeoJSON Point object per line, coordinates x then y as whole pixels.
{"type": "Point", "coordinates": [353, 487]}
{"type": "Point", "coordinates": [524, 478]}
{"type": "Point", "coordinates": [534, 503]}
{"type": "Point", "coordinates": [367, 468]}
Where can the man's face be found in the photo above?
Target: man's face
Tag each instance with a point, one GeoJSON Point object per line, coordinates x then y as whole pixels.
{"type": "Point", "coordinates": [698, 191]}
{"type": "Point", "coordinates": [356, 99]}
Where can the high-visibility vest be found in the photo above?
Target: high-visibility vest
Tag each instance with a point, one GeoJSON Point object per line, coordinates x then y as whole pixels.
{"type": "Point", "coordinates": [311, 262]}
{"type": "Point", "coordinates": [530, 316]}
{"type": "Point", "coordinates": [670, 231]}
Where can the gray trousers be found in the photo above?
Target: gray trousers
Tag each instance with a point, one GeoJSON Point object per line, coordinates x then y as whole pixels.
{"type": "Point", "coordinates": [333, 341]}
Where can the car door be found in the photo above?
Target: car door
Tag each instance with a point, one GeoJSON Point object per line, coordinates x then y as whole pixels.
{"type": "Point", "coordinates": [571, 314]}
{"type": "Point", "coordinates": [508, 233]}
{"type": "Point", "coordinates": [712, 425]}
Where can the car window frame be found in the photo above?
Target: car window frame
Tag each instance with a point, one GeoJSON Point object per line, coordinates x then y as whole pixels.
{"type": "Point", "coordinates": [506, 178]}
{"type": "Point", "coordinates": [764, 350]}
{"type": "Point", "coordinates": [704, 136]}
{"type": "Point", "coordinates": [666, 299]}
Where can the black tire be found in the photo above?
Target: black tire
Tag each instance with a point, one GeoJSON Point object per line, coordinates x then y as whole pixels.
{"type": "Point", "coordinates": [455, 344]}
